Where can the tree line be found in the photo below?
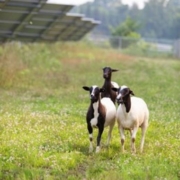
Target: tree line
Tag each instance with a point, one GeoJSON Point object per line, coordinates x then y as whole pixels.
{"type": "Point", "coordinates": [158, 18]}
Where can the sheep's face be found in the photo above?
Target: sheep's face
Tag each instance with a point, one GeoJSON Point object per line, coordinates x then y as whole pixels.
{"type": "Point", "coordinates": [107, 71]}
{"type": "Point", "coordinates": [123, 94]}
{"type": "Point", "coordinates": [94, 92]}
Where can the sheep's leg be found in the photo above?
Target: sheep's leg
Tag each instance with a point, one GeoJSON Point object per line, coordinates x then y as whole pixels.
{"type": "Point", "coordinates": [121, 130]}
{"type": "Point", "coordinates": [143, 131]}
{"type": "Point", "coordinates": [90, 130]}
{"type": "Point", "coordinates": [110, 132]}
{"type": "Point", "coordinates": [133, 139]}
{"type": "Point", "coordinates": [101, 129]}
{"type": "Point", "coordinates": [131, 132]}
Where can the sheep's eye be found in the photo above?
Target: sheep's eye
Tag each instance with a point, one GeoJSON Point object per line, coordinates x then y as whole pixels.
{"type": "Point", "coordinates": [124, 92]}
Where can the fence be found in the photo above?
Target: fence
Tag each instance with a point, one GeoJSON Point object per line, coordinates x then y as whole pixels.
{"type": "Point", "coordinates": [177, 48]}
{"type": "Point", "coordinates": [142, 46]}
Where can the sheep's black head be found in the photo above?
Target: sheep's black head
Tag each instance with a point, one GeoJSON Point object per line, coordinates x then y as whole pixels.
{"type": "Point", "coordinates": [94, 92]}
{"type": "Point", "coordinates": [107, 71]}
{"type": "Point", "coordinates": [123, 94]}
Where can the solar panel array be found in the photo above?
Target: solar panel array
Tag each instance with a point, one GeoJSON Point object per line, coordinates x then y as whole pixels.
{"type": "Point", "coordinates": [37, 20]}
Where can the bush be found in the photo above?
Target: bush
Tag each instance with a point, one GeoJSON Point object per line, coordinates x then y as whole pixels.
{"type": "Point", "coordinates": [142, 48]}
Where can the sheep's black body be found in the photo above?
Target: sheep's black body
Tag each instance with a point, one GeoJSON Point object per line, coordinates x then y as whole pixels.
{"type": "Point", "coordinates": [107, 86]}
{"type": "Point", "coordinates": [99, 115]}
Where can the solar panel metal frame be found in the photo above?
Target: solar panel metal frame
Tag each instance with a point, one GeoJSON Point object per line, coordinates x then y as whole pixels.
{"type": "Point", "coordinates": [37, 20]}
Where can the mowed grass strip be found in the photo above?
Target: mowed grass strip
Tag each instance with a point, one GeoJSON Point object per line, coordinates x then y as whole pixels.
{"type": "Point", "coordinates": [43, 130]}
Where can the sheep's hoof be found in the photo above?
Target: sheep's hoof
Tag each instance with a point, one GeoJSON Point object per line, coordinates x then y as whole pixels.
{"type": "Point", "coordinates": [133, 151]}
{"type": "Point", "coordinates": [107, 146]}
{"type": "Point", "coordinates": [97, 149]}
{"type": "Point", "coordinates": [90, 149]}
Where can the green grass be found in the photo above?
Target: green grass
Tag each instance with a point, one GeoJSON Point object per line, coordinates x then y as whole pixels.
{"type": "Point", "coordinates": [43, 131]}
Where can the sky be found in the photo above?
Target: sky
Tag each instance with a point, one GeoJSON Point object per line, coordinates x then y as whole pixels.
{"type": "Point", "coordinates": [78, 2]}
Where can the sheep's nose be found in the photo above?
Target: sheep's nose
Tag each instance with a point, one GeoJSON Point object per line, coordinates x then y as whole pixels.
{"type": "Point", "coordinates": [119, 101]}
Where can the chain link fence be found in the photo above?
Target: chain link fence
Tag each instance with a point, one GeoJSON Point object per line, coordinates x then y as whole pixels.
{"type": "Point", "coordinates": [142, 46]}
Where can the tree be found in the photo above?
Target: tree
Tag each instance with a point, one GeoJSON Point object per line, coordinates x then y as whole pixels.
{"type": "Point", "coordinates": [128, 28]}
{"type": "Point", "coordinates": [176, 29]}
{"type": "Point", "coordinates": [158, 18]}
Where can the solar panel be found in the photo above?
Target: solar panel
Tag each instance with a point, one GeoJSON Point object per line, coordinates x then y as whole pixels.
{"type": "Point", "coordinates": [37, 20]}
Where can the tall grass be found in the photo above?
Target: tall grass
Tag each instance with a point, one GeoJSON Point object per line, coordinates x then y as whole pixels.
{"type": "Point", "coordinates": [43, 131]}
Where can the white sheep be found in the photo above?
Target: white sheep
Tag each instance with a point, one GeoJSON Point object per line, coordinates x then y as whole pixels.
{"type": "Point", "coordinates": [132, 113]}
{"type": "Point", "coordinates": [101, 113]}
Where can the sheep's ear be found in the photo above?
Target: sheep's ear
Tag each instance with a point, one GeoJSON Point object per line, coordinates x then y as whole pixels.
{"type": "Point", "coordinates": [131, 92]}
{"type": "Point", "coordinates": [114, 70]}
{"type": "Point", "coordinates": [101, 89]}
{"type": "Point", "coordinates": [114, 89]}
{"type": "Point", "coordinates": [86, 88]}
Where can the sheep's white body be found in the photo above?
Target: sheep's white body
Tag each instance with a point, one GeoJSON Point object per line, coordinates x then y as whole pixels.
{"type": "Point", "coordinates": [137, 117]}
{"type": "Point", "coordinates": [110, 111]}
{"type": "Point", "coordinates": [114, 84]}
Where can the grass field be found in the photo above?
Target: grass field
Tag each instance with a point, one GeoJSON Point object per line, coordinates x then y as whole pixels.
{"type": "Point", "coordinates": [43, 131]}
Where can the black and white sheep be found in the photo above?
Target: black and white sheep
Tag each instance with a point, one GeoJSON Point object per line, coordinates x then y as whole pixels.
{"type": "Point", "coordinates": [132, 113]}
{"type": "Point", "coordinates": [101, 113]}
{"type": "Point", "coordinates": [108, 84]}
